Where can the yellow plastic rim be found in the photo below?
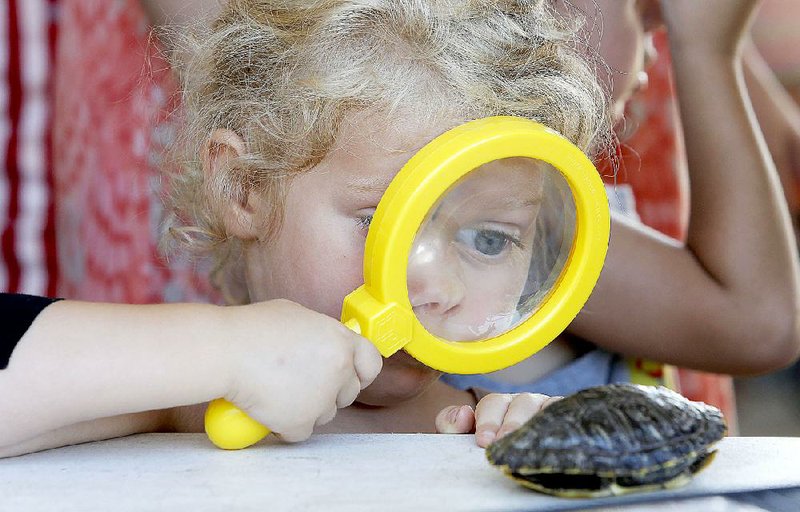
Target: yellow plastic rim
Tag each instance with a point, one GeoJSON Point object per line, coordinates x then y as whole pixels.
{"type": "Point", "coordinates": [381, 309]}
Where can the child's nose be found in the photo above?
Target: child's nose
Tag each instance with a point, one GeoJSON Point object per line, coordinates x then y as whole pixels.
{"type": "Point", "coordinates": [434, 281]}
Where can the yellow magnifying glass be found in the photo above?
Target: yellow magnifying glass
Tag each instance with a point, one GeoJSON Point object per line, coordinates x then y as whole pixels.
{"type": "Point", "coordinates": [483, 249]}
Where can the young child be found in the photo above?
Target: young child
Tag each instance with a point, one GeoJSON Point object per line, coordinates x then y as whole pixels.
{"type": "Point", "coordinates": [696, 306]}
{"type": "Point", "coordinates": [298, 117]}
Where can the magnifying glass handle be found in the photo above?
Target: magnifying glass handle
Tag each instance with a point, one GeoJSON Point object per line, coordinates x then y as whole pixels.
{"type": "Point", "coordinates": [230, 428]}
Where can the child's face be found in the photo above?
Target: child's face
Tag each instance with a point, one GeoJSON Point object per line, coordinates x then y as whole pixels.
{"type": "Point", "coordinates": [317, 257]}
{"type": "Point", "coordinates": [622, 35]}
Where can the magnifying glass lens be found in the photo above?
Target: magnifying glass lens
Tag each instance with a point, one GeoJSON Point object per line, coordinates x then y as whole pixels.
{"type": "Point", "coordinates": [491, 249]}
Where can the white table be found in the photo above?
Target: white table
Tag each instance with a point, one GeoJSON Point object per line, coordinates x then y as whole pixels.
{"type": "Point", "coordinates": [340, 472]}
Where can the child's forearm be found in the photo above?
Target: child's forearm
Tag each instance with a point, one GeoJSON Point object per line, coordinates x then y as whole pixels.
{"type": "Point", "coordinates": [82, 361]}
{"type": "Point", "coordinates": [737, 203]}
{"type": "Point", "coordinates": [92, 371]}
{"type": "Point", "coordinates": [93, 430]}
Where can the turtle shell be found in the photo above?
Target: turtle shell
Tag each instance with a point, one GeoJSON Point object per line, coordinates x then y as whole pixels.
{"type": "Point", "coordinates": [611, 439]}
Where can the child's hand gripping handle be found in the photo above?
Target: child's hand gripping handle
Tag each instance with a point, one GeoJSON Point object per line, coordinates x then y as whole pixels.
{"type": "Point", "coordinates": [230, 428]}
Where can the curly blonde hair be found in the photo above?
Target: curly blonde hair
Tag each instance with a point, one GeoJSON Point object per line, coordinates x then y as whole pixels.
{"type": "Point", "coordinates": [283, 74]}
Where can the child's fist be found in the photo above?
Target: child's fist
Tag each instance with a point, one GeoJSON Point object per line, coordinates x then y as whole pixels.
{"type": "Point", "coordinates": [292, 368]}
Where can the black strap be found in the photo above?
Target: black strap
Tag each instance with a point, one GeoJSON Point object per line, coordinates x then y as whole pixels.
{"type": "Point", "coordinates": [17, 313]}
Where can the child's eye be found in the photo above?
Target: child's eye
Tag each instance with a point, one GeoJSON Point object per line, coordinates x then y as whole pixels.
{"type": "Point", "coordinates": [364, 221]}
{"type": "Point", "coordinates": [487, 242]}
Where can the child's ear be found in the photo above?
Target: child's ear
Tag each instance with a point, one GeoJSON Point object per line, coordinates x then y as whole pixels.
{"type": "Point", "coordinates": [241, 210]}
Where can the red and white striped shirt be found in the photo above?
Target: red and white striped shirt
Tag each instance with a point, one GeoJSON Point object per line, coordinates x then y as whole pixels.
{"type": "Point", "coordinates": [27, 239]}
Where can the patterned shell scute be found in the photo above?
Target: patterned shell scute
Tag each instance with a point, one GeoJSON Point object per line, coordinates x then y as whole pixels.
{"type": "Point", "coordinates": [617, 429]}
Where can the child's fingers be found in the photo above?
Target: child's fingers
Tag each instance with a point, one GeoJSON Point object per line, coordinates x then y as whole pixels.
{"type": "Point", "coordinates": [326, 417]}
{"type": "Point", "coordinates": [489, 415]}
{"type": "Point", "coordinates": [297, 433]}
{"type": "Point", "coordinates": [550, 401]}
{"type": "Point", "coordinates": [520, 410]}
{"type": "Point", "coordinates": [368, 362]}
{"type": "Point", "coordinates": [456, 419]}
{"type": "Point", "coordinates": [349, 392]}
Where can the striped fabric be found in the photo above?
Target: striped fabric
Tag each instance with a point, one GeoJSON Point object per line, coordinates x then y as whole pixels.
{"type": "Point", "coordinates": [27, 240]}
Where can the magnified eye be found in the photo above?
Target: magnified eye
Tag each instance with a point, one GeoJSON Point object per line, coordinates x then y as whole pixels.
{"type": "Point", "coordinates": [488, 242]}
{"type": "Point", "coordinates": [364, 221]}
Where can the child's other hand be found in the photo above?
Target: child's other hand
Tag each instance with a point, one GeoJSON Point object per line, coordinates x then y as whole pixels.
{"type": "Point", "coordinates": [715, 24]}
{"type": "Point", "coordinates": [291, 368]}
{"type": "Point", "coordinates": [495, 415]}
